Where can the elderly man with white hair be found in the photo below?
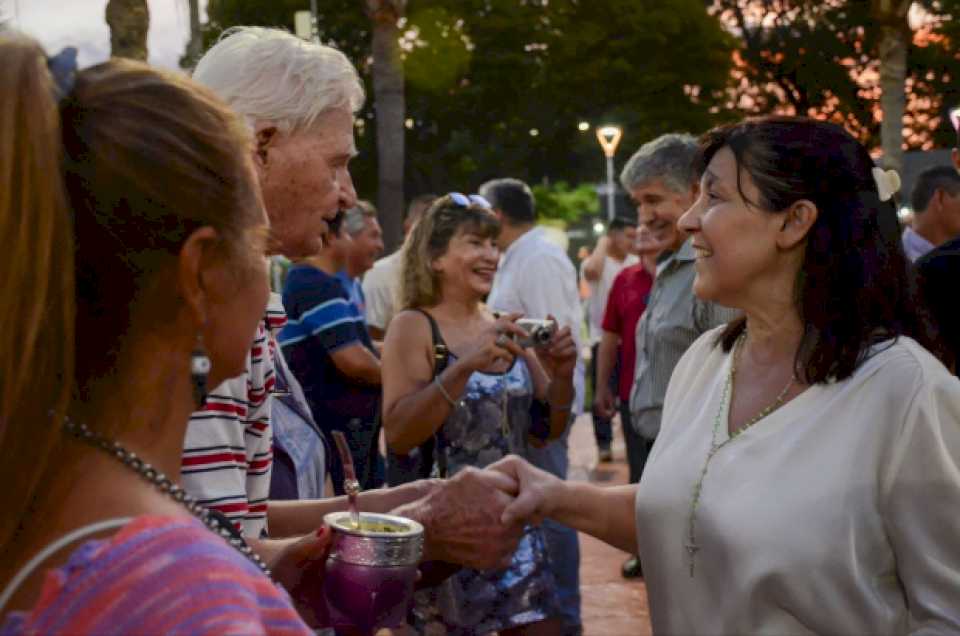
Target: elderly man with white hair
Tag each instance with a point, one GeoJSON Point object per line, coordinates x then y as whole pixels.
{"type": "Point", "coordinates": [299, 99]}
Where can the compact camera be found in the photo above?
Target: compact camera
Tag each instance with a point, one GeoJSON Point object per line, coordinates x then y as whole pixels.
{"type": "Point", "coordinates": [539, 332]}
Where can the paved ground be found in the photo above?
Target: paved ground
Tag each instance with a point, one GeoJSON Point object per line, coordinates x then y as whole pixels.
{"type": "Point", "coordinates": [612, 605]}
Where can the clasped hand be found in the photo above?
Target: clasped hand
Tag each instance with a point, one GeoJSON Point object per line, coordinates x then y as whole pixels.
{"type": "Point", "coordinates": [474, 519]}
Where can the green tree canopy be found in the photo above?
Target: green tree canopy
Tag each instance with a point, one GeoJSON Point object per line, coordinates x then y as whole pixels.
{"type": "Point", "coordinates": [561, 202]}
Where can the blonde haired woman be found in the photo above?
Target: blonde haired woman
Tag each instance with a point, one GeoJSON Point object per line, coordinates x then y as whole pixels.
{"type": "Point", "coordinates": [452, 369]}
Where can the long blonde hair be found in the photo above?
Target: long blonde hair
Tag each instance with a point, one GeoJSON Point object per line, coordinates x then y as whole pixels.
{"type": "Point", "coordinates": [429, 240]}
{"type": "Point", "coordinates": [97, 194]}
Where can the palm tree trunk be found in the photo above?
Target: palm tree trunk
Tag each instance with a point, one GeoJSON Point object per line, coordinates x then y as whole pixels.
{"type": "Point", "coordinates": [894, 42]}
{"type": "Point", "coordinates": [195, 43]}
{"type": "Point", "coordinates": [389, 106]}
{"type": "Point", "coordinates": [129, 21]}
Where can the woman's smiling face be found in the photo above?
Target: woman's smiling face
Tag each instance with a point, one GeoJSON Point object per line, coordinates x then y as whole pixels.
{"type": "Point", "coordinates": [469, 263]}
{"type": "Point", "coordinates": [735, 240]}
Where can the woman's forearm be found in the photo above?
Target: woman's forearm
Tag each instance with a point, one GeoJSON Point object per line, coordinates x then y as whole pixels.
{"type": "Point", "coordinates": [539, 377]}
{"type": "Point", "coordinates": [560, 397]}
{"type": "Point", "coordinates": [602, 512]}
{"type": "Point", "coordinates": [414, 419]}
{"type": "Point", "coordinates": [297, 518]}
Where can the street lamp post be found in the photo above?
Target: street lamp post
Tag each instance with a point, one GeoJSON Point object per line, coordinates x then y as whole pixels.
{"type": "Point", "coordinates": [609, 138]}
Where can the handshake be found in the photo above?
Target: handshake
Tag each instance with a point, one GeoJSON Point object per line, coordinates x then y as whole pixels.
{"type": "Point", "coordinates": [476, 518]}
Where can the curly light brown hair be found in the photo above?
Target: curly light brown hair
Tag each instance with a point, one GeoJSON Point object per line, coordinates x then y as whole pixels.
{"type": "Point", "coordinates": [429, 240]}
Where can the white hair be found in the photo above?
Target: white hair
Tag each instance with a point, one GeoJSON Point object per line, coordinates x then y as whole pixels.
{"type": "Point", "coordinates": [271, 75]}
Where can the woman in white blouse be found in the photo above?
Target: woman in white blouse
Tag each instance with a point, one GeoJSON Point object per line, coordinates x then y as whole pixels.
{"type": "Point", "coordinates": [807, 474]}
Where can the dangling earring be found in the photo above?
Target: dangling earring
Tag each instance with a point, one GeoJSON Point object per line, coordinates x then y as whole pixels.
{"type": "Point", "coordinates": [199, 370]}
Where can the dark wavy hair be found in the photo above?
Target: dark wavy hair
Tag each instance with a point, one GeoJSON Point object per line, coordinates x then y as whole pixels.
{"type": "Point", "coordinates": [855, 288]}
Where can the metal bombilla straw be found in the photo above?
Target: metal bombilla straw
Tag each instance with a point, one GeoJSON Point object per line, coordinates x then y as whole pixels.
{"type": "Point", "coordinates": [350, 484]}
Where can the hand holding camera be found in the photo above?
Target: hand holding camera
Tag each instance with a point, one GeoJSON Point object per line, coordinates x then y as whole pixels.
{"type": "Point", "coordinates": [558, 353]}
{"type": "Point", "coordinates": [539, 333]}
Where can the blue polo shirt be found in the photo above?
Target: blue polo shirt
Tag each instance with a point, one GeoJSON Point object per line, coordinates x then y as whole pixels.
{"type": "Point", "coordinates": [321, 319]}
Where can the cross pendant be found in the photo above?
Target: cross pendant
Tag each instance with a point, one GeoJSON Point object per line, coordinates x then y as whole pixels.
{"type": "Point", "coordinates": [692, 549]}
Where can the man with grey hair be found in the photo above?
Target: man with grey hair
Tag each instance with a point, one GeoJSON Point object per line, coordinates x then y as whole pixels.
{"type": "Point", "coordinates": [662, 181]}
{"type": "Point", "coordinates": [299, 99]}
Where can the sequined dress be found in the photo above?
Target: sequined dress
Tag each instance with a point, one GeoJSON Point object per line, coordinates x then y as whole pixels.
{"type": "Point", "coordinates": [470, 601]}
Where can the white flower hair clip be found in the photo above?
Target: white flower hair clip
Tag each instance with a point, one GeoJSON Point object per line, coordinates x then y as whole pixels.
{"type": "Point", "coordinates": [888, 183]}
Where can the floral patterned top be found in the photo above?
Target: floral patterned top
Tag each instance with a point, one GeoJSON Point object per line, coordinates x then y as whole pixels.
{"type": "Point", "coordinates": [491, 422]}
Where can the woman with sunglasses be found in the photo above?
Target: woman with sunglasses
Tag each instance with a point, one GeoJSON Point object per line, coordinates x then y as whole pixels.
{"type": "Point", "coordinates": [455, 371]}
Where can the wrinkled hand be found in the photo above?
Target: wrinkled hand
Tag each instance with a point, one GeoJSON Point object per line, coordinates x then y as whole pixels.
{"type": "Point", "coordinates": [462, 520]}
{"type": "Point", "coordinates": [489, 347]}
{"type": "Point", "coordinates": [559, 356]}
{"type": "Point", "coordinates": [603, 403]}
{"type": "Point", "coordinates": [537, 491]}
{"type": "Point", "coordinates": [300, 567]}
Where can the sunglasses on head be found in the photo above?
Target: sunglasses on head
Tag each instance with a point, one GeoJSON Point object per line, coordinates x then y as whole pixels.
{"type": "Point", "coordinates": [466, 200]}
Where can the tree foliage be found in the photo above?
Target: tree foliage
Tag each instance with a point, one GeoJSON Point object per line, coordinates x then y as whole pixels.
{"type": "Point", "coordinates": [821, 58]}
{"type": "Point", "coordinates": [561, 202]}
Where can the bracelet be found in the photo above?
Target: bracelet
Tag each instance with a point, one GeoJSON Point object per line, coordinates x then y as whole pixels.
{"type": "Point", "coordinates": [443, 392]}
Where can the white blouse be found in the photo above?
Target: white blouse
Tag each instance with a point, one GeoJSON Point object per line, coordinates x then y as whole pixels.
{"type": "Point", "coordinates": [839, 513]}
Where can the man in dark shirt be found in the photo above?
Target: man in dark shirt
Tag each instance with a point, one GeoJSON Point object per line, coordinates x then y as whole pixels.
{"type": "Point", "coordinates": [327, 346]}
{"type": "Point", "coordinates": [938, 272]}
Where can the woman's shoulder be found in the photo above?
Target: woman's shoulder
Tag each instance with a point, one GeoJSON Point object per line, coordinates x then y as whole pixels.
{"type": "Point", "coordinates": [174, 563]}
{"type": "Point", "coordinates": [408, 331]}
{"type": "Point", "coordinates": [411, 322]}
{"type": "Point", "coordinates": [905, 368]}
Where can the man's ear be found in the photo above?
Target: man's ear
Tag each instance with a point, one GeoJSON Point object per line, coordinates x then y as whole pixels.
{"type": "Point", "coordinates": [265, 136]}
{"type": "Point", "coordinates": [196, 256]}
{"type": "Point", "coordinates": [937, 199]}
{"type": "Point", "coordinates": [797, 222]}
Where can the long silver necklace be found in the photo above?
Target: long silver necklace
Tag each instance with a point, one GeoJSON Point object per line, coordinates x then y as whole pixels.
{"type": "Point", "coordinates": [165, 485]}
{"type": "Point", "coordinates": [691, 545]}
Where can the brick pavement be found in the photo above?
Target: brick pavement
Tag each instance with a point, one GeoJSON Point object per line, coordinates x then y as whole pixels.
{"type": "Point", "coordinates": [612, 605]}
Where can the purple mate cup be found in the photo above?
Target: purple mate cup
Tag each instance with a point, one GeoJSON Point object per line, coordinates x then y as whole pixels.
{"type": "Point", "coordinates": [370, 574]}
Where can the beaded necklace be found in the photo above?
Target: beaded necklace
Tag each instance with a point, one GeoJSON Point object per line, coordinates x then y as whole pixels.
{"type": "Point", "coordinates": [166, 486]}
{"type": "Point", "coordinates": [692, 546]}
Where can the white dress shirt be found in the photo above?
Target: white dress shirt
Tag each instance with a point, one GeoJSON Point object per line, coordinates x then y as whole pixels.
{"type": "Point", "coordinates": [838, 513]}
{"type": "Point", "coordinates": [381, 288]}
{"type": "Point", "coordinates": [536, 278]}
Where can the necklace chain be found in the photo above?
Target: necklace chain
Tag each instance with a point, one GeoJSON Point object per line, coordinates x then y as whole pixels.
{"type": "Point", "coordinates": [166, 486]}
{"type": "Point", "coordinates": [692, 546]}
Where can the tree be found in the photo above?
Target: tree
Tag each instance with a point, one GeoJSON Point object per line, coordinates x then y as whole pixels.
{"type": "Point", "coordinates": [195, 43]}
{"type": "Point", "coordinates": [498, 87]}
{"type": "Point", "coordinates": [389, 106]}
{"type": "Point", "coordinates": [562, 203]}
{"type": "Point", "coordinates": [129, 21]}
{"type": "Point", "coordinates": [835, 60]}
{"type": "Point", "coordinates": [895, 36]}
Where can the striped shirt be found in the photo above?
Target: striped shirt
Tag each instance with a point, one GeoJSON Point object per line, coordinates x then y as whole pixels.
{"type": "Point", "coordinates": [673, 320]}
{"type": "Point", "coordinates": [228, 455]}
{"type": "Point", "coordinates": [158, 575]}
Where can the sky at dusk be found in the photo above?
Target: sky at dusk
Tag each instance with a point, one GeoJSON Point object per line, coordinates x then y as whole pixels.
{"type": "Point", "coordinates": [81, 23]}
